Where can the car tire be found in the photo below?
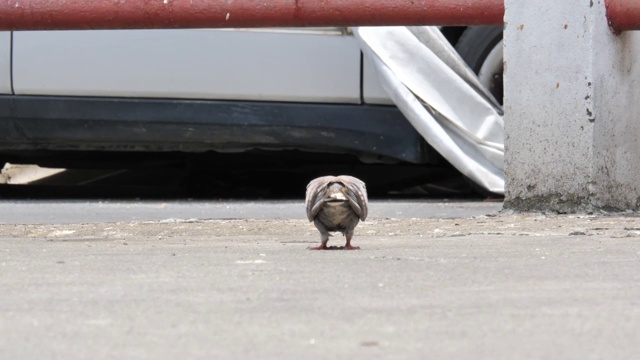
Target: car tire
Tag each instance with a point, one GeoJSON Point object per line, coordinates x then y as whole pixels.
{"type": "Point", "coordinates": [481, 48]}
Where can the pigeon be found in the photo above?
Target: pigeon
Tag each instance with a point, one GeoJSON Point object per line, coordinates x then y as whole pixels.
{"type": "Point", "coordinates": [336, 203]}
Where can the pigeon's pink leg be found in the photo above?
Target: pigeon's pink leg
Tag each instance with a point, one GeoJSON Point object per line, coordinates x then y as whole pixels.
{"type": "Point", "coordinates": [322, 246]}
{"type": "Point", "coordinates": [324, 239]}
{"type": "Point", "coordinates": [348, 245]}
{"type": "Point", "coordinates": [324, 236]}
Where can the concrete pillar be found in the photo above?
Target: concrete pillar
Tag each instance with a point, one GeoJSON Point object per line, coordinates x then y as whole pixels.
{"type": "Point", "coordinates": [572, 108]}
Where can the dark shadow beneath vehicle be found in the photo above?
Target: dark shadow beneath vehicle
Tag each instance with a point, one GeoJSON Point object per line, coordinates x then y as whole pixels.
{"type": "Point", "coordinates": [248, 175]}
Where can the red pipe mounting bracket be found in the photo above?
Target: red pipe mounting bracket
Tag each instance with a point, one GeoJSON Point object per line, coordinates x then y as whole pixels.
{"type": "Point", "coordinates": [169, 14]}
{"type": "Point", "coordinates": [623, 15]}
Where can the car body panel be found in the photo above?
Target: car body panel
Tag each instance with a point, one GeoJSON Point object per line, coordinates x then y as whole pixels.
{"type": "Point", "coordinates": [372, 90]}
{"type": "Point", "coordinates": [303, 66]}
{"type": "Point", "coordinates": [5, 62]}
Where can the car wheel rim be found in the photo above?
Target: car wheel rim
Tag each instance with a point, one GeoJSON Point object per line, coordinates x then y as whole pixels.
{"type": "Point", "coordinates": [490, 73]}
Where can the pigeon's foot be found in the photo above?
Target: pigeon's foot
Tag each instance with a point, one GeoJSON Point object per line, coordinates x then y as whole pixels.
{"type": "Point", "coordinates": [348, 245]}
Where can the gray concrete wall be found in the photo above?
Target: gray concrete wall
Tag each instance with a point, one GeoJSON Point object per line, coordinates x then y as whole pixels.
{"type": "Point", "coordinates": [570, 109]}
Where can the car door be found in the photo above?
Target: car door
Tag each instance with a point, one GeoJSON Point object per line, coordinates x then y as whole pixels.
{"type": "Point", "coordinates": [5, 62]}
{"type": "Point", "coordinates": [302, 65]}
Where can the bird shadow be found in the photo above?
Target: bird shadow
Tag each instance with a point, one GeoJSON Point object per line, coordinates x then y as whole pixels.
{"type": "Point", "coordinates": [334, 248]}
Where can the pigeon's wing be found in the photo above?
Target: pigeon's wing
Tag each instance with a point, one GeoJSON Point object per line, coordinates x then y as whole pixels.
{"type": "Point", "coordinates": [356, 192]}
{"type": "Point", "coordinates": [316, 192]}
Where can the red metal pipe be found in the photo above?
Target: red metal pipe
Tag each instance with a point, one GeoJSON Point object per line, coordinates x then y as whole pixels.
{"type": "Point", "coordinates": [623, 15]}
{"type": "Point", "coordinates": [167, 14]}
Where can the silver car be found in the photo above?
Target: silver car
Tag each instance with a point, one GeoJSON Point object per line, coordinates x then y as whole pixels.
{"type": "Point", "coordinates": [88, 98]}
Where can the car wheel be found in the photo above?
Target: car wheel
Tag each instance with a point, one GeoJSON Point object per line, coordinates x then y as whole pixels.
{"type": "Point", "coordinates": [481, 48]}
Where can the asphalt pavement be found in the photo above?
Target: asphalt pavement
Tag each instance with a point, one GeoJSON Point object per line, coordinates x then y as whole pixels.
{"type": "Point", "coordinates": [96, 211]}
{"type": "Point", "coordinates": [494, 286]}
